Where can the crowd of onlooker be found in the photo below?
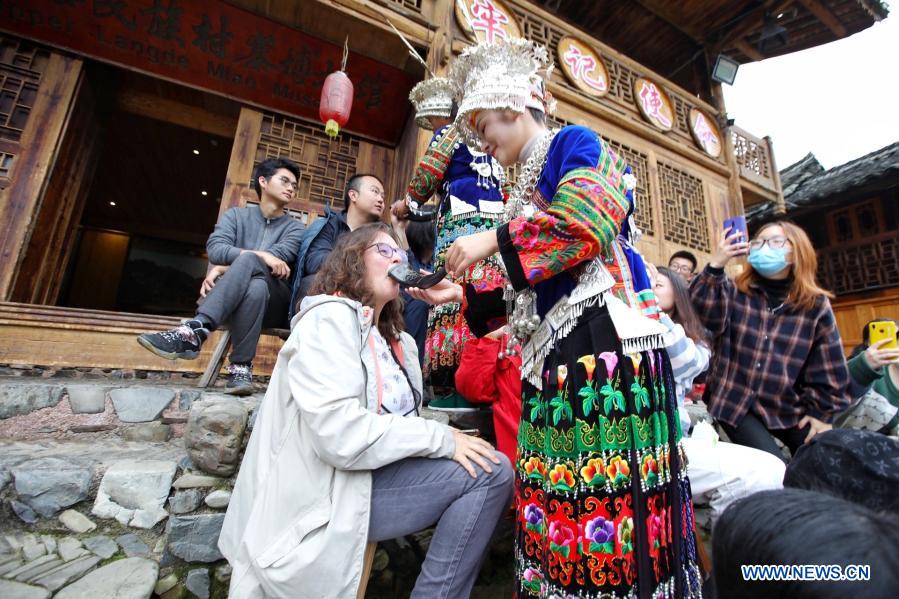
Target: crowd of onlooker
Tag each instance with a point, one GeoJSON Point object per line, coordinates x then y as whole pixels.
{"type": "Point", "coordinates": [761, 351]}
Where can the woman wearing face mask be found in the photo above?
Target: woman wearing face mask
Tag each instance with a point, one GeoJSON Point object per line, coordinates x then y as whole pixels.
{"type": "Point", "coordinates": [779, 369]}
{"type": "Point", "coordinates": [720, 473]}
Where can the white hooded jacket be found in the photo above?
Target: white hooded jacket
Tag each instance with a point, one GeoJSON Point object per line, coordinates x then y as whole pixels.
{"type": "Point", "coordinates": [297, 523]}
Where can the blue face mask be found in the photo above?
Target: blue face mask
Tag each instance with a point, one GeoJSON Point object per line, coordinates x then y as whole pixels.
{"type": "Point", "coordinates": [768, 261]}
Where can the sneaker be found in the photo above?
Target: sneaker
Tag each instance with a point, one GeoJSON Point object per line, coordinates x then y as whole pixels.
{"type": "Point", "coordinates": [452, 402]}
{"type": "Point", "coordinates": [240, 379]}
{"type": "Point", "coordinates": [183, 342]}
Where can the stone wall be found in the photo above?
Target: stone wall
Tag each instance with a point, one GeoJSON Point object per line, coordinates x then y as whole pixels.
{"type": "Point", "coordinates": [115, 487]}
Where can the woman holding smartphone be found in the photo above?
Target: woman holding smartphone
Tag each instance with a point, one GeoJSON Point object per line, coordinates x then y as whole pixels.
{"type": "Point", "coordinates": [779, 369]}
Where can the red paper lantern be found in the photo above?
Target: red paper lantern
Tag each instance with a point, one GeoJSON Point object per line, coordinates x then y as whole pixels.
{"type": "Point", "coordinates": [336, 102]}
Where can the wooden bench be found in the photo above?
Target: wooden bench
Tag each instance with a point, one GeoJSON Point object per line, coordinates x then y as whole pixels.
{"type": "Point", "coordinates": [217, 360]}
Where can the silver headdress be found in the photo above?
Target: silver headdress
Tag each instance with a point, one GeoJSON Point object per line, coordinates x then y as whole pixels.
{"type": "Point", "coordinates": [433, 97]}
{"type": "Point", "coordinates": [508, 75]}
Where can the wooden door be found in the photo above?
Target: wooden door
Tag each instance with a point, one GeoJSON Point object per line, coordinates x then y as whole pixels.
{"type": "Point", "coordinates": [46, 257]}
{"type": "Point", "coordinates": [39, 86]}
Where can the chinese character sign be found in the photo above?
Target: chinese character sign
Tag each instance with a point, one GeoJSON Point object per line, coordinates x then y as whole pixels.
{"type": "Point", "coordinates": [583, 66]}
{"type": "Point", "coordinates": [218, 47]}
{"type": "Point", "coordinates": [654, 104]}
{"type": "Point", "coordinates": [488, 21]}
{"type": "Point", "coordinates": [705, 132]}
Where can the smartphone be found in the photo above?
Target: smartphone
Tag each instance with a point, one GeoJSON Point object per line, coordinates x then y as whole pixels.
{"type": "Point", "coordinates": [882, 329]}
{"type": "Point", "coordinates": [737, 224]}
{"type": "Point", "coordinates": [412, 278]}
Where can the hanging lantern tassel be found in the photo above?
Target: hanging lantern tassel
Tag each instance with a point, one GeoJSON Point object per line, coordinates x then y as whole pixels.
{"type": "Point", "coordinates": [337, 98]}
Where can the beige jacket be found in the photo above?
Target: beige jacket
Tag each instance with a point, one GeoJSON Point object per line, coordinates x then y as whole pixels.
{"type": "Point", "coordinates": [297, 523]}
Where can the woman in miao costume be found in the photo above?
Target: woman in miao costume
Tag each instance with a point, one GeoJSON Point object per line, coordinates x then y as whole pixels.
{"type": "Point", "coordinates": [602, 499]}
{"type": "Point", "coordinates": [469, 186]}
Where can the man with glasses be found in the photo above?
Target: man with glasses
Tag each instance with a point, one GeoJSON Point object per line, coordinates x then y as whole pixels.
{"type": "Point", "coordinates": [683, 263]}
{"type": "Point", "coordinates": [363, 202]}
{"type": "Point", "coordinates": [246, 288]}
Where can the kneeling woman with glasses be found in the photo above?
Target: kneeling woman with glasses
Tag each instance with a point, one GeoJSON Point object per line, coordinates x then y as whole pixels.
{"type": "Point", "coordinates": [778, 368]}
{"type": "Point", "coordinates": [339, 457]}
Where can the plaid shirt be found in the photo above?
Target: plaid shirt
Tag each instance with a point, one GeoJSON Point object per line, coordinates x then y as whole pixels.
{"type": "Point", "coordinates": [779, 363]}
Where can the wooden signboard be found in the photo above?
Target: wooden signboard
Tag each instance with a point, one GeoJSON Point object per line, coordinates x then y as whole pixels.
{"type": "Point", "coordinates": [654, 103]}
{"type": "Point", "coordinates": [583, 66]}
{"type": "Point", "coordinates": [705, 133]}
{"type": "Point", "coordinates": [487, 20]}
{"type": "Point", "coordinates": [214, 46]}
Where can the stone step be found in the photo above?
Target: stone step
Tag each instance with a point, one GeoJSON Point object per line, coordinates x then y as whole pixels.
{"type": "Point", "coordinates": [66, 573]}
{"type": "Point", "coordinates": [10, 589]}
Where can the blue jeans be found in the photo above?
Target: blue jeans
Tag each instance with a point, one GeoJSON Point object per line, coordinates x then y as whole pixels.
{"type": "Point", "coordinates": [413, 494]}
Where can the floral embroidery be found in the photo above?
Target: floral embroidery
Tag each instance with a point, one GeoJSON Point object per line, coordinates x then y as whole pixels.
{"type": "Point", "coordinates": [561, 478]}
{"type": "Point", "coordinates": [649, 470]}
{"type": "Point", "coordinates": [526, 236]}
{"type": "Point", "coordinates": [534, 518]}
{"type": "Point", "coordinates": [534, 468]}
{"type": "Point", "coordinates": [618, 472]}
{"type": "Point", "coordinates": [601, 535]}
{"type": "Point", "coordinates": [626, 535]}
{"type": "Point", "coordinates": [560, 404]}
{"type": "Point", "coordinates": [594, 472]}
{"type": "Point", "coordinates": [612, 396]}
{"type": "Point", "coordinates": [532, 581]}
{"type": "Point", "coordinates": [561, 538]}
{"type": "Point", "coordinates": [538, 408]}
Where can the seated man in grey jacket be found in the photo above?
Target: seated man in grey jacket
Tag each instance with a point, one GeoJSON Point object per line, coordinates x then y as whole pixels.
{"type": "Point", "coordinates": [247, 289]}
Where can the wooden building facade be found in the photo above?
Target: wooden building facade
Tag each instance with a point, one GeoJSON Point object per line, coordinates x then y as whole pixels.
{"type": "Point", "coordinates": [127, 128]}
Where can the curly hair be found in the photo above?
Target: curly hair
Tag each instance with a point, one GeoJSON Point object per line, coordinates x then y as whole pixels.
{"type": "Point", "coordinates": [343, 273]}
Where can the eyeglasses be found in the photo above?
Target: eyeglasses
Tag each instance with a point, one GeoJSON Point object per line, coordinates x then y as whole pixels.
{"type": "Point", "coordinates": [773, 242]}
{"type": "Point", "coordinates": [377, 191]}
{"type": "Point", "coordinates": [387, 250]}
{"type": "Point", "coordinates": [681, 268]}
{"type": "Point", "coordinates": [292, 185]}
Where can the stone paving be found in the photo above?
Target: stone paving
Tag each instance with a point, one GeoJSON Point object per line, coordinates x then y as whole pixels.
{"type": "Point", "coordinates": [116, 491]}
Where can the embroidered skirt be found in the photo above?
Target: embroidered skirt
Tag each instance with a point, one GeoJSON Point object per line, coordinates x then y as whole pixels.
{"type": "Point", "coordinates": [602, 499]}
{"type": "Point", "coordinates": [447, 331]}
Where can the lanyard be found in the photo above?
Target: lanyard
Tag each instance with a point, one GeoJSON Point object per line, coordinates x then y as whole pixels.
{"type": "Point", "coordinates": [398, 350]}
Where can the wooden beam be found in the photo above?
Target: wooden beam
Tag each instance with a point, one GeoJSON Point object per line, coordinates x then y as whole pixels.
{"type": "Point", "coordinates": [171, 111]}
{"type": "Point", "coordinates": [240, 168]}
{"type": "Point", "coordinates": [750, 23]}
{"type": "Point", "coordinates": [672, 14]}
{"type": "Point", "coordinates": [746, 48]}
{"type": "Point", "coordinates": [823, 14]}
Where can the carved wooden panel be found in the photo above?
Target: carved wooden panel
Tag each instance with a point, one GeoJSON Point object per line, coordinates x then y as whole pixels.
{"type": "Point", "coordinates": [751, 155]}
{"type": "Point", "coordinates": [861, 267]}
{"type": "Point", "coordinates": [684, 217]}
{"type": "Point", "coordinates": [21, 66]}
{"type": "Point", "coordinates": [413, 5]}
{"type": "Point", "coordinates": [325, 164]}
{"type": "Point", "coordinates": [621, 74]}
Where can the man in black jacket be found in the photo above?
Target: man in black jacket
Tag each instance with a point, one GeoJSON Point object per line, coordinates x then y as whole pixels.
{"type": "Point", "coordinates": [363, 202]}
{"type": "Point", "coordinates": [250, 250]}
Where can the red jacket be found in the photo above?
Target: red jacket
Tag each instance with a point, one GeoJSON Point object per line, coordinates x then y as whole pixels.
{"type": "Point", "coordinates": [483, 377]}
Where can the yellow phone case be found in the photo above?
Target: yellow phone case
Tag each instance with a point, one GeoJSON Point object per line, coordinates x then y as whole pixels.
{"type": "Point", "coordinates": [882, 329]}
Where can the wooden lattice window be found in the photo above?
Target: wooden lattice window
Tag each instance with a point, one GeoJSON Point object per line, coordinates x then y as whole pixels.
{"type": "Point", "coordinates": [856, 223]}
{"type": "Point", "coordinates": [538, 30]}
{"type": "Point", "coordinates": [325, 164]}
{"type": "Point", "coordinates": [862, 266]}
{"type": "Point", "coordinates": [21, 65]}
{"type": "Point", "coordinates": [684, 217]}
{"type": "Point", "coordinates": [413, 5]}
